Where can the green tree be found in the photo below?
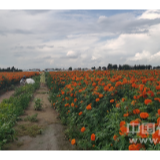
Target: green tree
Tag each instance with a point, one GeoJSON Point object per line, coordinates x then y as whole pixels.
{"type": "Point", "coordinates": [114, 66]}
{"type": "Point", "coordinates": [109, 66]}
{"type": "Point", "coordinates": [93, 68]}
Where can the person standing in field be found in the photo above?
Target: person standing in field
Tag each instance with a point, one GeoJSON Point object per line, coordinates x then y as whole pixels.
{"type": "Point", "coordinates": [23, 80]}
{"type": "Point", "coordinates": [42, 79]}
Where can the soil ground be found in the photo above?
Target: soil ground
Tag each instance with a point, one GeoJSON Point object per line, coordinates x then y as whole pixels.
{"type": "Point", "coordinates": [7, 94]}
{"type": "Point", "coordinates": [52, 135]}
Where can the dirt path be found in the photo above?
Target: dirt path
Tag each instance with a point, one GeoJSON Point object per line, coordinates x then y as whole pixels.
{"type": "Point", "coordinates": [7, 94]}
{"type": "Point", "coordinates": [52, 135]}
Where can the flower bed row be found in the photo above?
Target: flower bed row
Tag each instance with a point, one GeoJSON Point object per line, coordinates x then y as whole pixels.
{"type": "Point", "coordinates": [11, 78]}
{"type": "Point", "coordinates": [11, 108]}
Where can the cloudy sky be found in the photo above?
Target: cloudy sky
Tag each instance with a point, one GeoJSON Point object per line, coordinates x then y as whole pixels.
{"type": "Point", "coordinates": [78, 38]}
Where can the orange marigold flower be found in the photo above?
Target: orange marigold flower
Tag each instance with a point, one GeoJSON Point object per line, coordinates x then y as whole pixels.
{"type": "Point", "coordinates": [136, 111]}
{"type": "Point", "coordinates": [106, 88]}
{"type": "Point", "coordinates": [93, 137]}
{"type": "Point", "coordinates": [126, 115]}
{"type": "Point", "coordinates": [83, 129]}
{"type": "Point", "coordinates": [89, 107]}
{"type": "Point", "coordinates": [72, 104]}
{"type": "Point", "coordinates": [134, 123]}
{"type": "Point", "coordinates": [159, 111]}
{"type": "Point", "coordinates": [97, 99]}
{"type": "Point", "coordinates": [67, 104]}
{"type": "Point", "coordinates": [132, 147]}
{"type": "Point", "coordinates": [75, 100]}
{"type": "Point", "coordinates": [100, 95]}
{"type": "Point", "coordinates": [115, 137]}
{"type": "Point", "coordinates": [66, 98]}
{"type": "Point", "coordinates": [143, 134]}
{"type": "Point", "coordinates": [80, 113]}
{"type": "Point", "coordinates": [137, 146]}
{"type": "Point", "coordinates": [134, 97]}
{"type": "Point", "coordinates": [111, 89]}
{"type": "Point", "coordinates": [151, 93]}
{"type": "Point", "coordinates": [123, 99]}
{"type": "Point", "coordinates": [158, 121]}
{"type": "Point", "coordinates": [156, 136]}
{"type": "Point", "coordinates": [112, 100]}
{"type": "Point", "coordinates": [73, 141]}
{"type": "Point", "coordinates": [133, 102]}
{"type": "Point", "coordinates": [144, 115]}
{"type": "Point", "coordinates": [138, 120]}
{"type": "Point", "coordinates": [157, 99]}
{"type": "Point", "coordinates": [147, 101]}
{"type": "Point", "coordinates": [109, 85]}
{"type": "Point", "coordinates": [117, 105]}
{"type": "Point", "coordinates": [123, 131]}
{"type": "Point", "coordinates": [158, 87]}
{"type": "Point", "coordinates": [122, 123]}
{"type": "Point", "coordinates": [93, 84]}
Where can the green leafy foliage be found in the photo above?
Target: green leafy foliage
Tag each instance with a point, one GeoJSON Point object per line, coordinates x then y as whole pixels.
{"type": "Point", "coordinates": [38, 104]}
{"type": "Point", "coordinates": [12, 108]}
{"type": "Point", "coordinates": [32, 118]}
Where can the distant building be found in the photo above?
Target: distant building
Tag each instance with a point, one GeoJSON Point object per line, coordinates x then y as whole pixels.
{"type": "Point", "coordinates": [35, 70]}
{"type": "Point", "coordinates": [49, 69]}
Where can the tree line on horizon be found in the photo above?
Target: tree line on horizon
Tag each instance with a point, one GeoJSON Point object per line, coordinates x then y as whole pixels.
{"type": "Point", "coordinates": [115, 67]}
{"type": "Point", "coordinates": [8, 69]}
{"type": "Point", "coordinates": [110, 67]}
{"type": "Point", "coordinates": [122, 67]}
{"type": "Point", "coordinates": [127, 67]}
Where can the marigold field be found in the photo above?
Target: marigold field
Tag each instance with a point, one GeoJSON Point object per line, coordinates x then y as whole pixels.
{"type": "Point", "coordinates": [9, 78]}
{"type": "Point", "coordinates": [97, 107]}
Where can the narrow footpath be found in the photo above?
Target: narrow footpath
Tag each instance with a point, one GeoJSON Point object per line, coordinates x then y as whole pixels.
{"type": "Point", "coordinates": [47, 133]}
{"type": "Point", "coordinates": [8, 94]}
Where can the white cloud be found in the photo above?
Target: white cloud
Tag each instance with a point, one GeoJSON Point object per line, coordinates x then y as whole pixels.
{"type": "Point", "coordinates": [71, 53]}
{"type": "Point", "coordinates": [93, 58]}
{"type": "Point", "coordinates": [140, 56]}
{"type": "Point", "coordinates": [51, 61]}
{"type": "Point", "coordinates": [102, 18]}
{"type": "Point", "coordinates": [28, 37]}
{"type": "Point", "coordinates": [150, 14]}
{"type": "Point", "coordinates": [145, 57]}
